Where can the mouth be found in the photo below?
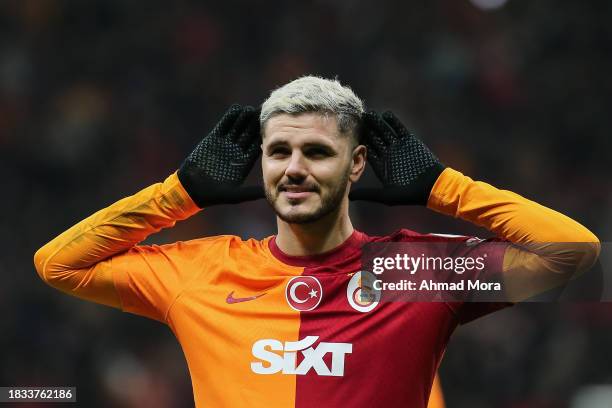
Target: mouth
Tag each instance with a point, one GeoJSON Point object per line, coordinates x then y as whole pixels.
{"type": "Point", "coordinates": [296, 192]}
{"type": "Point", "coordinates": [297, 195]}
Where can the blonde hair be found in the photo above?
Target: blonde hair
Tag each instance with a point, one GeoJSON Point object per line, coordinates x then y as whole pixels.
{"type": "Point", "coordinates": [315, 94]}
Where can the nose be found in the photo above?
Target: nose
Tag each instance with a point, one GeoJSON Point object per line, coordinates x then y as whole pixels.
{"type": "Point", "coordinates": [296, 169]}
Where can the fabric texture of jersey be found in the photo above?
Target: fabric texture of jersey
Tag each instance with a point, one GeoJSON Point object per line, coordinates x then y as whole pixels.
{"type": "Point", "coordinates": [222, 295]}
{"type": "Point", "coordinates": [250, 339]}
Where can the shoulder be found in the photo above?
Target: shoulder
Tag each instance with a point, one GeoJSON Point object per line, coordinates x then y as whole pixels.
{"type": "Point", "coordinates": [435, 243]}
{"type": "Point", "coordinates": [406, 235]}
{"type": "Point", "coordinates": [217, 246]}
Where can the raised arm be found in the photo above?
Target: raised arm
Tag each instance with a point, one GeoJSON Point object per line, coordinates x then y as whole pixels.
{"type": "Point", "coordinates": [551, 247]}
{"type": "Point", "coordinates": [73, 261]}
{"type": "Point", "coordinates": [82, 260]}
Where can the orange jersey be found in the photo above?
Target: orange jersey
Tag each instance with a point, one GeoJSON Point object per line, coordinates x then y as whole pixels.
{"type": "Point", "coordinates": [289, 330]}
{"type": "Point", "coordinates": [261, 328]}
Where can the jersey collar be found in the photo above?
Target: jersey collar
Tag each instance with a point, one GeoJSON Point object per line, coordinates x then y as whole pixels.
{"type": "Point", "coordinates": [348, 248]}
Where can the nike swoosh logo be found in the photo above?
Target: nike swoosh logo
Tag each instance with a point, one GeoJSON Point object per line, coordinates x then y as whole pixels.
{"type": "Point", "coordinates": [231, 299]}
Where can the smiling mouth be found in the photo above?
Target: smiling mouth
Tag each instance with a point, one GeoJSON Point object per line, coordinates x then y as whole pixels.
{"type": "Point", "coordinates": [296, 189]}
{"type": "Point", "coordinates": [296, 195]}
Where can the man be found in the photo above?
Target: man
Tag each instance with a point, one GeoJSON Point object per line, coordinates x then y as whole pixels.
{"type": "Point", "coordinates": [271, 322]}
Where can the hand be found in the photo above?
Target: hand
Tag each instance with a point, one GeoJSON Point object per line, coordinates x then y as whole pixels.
{"type": "Point", "coordinates": [405, 166]}
{"type": "Point", "coordinates": [214, 172]}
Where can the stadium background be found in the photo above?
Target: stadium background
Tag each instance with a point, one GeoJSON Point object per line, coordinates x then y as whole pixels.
{"type": "Point", "coordinates": [99, 99]}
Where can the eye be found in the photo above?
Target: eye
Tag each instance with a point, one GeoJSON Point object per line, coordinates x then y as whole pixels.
{"type": "Point", "coordinates": [317, 152]}
{"type": "Point", "coordinates": [279, 151]}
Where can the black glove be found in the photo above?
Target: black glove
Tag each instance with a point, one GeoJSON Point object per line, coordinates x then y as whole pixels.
{"type": "Point", "coordinates": [214, 172]}
{"type": "Point", "coordinates": [405, 166]}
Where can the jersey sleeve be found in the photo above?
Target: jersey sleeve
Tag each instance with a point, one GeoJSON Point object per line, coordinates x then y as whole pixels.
{"type": "Point", "coordinates": [99, 256]}
{"type": "Point", "coordinates": [548, 248]}
{"type": "Point", "coordinates": [148, 279]}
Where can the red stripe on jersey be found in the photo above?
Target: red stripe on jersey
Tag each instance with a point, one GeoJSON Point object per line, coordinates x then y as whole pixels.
{"type": "Point", "coordinates": [395, 348]}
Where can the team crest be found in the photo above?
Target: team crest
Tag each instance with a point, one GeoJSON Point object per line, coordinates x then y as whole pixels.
{"type": "Point", "coordinates": [303, 293]}
{"type": "Point", "coordinates": [360, 292]}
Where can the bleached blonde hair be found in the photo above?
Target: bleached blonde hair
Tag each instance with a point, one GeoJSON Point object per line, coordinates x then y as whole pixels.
{"type": "Point", "coordinates": [315, 94]}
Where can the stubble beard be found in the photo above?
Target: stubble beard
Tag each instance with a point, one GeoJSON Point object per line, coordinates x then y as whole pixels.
{"type": "Point", "coordinates": [329, 204]}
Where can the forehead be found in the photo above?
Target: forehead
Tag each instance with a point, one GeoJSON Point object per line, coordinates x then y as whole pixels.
{"type": "Point", "coordinates": [310, 126]}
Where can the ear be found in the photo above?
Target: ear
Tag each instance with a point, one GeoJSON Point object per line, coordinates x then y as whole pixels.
{"type": "Point", "coordinates": [359, 157]}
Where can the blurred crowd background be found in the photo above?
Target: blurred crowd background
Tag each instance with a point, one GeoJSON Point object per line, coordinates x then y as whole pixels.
{"type": "Point", "coordinates": [99, 99]}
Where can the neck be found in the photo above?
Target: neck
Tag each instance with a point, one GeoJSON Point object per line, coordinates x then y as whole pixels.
{"type": "Point", "coordinates": [317, 237]}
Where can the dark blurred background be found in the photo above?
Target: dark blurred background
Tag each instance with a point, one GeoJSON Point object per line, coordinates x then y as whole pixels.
{"type": "Point", "coordinates": [99, 99]}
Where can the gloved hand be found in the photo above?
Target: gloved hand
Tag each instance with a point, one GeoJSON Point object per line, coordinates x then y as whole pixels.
{"type": "Point", "coordinates": [405, 166]}
{"type": "Point", "coordinates": [214, 172]}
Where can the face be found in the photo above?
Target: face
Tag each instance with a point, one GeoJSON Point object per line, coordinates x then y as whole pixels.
{"type": "Point", "coordinates": [308, 166]}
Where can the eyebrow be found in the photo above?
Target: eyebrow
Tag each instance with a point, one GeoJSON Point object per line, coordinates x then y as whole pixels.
{"type": "Point", "coordinates": [283, 142]}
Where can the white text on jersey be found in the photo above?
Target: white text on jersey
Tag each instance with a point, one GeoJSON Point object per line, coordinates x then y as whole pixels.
{"type": "Point", "coordinates": [313, 357]}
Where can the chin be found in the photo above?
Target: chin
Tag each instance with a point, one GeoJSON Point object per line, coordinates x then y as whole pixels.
{"type": "Point", "coordinates": [299, 218]}
{"type": "Point", "coordinates": [292, 216]}
{"type": "Point", "coordinates": [305, 212]}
